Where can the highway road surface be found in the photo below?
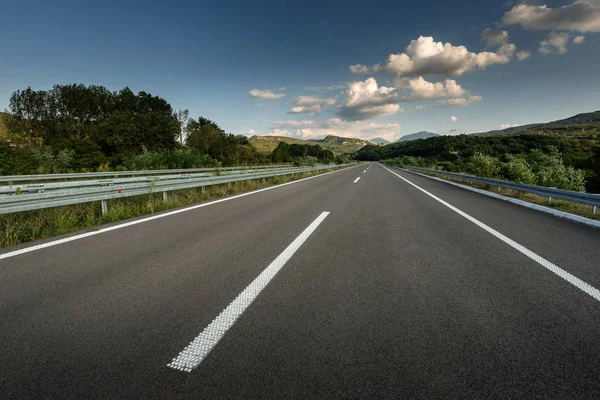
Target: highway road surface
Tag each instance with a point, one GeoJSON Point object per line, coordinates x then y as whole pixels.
{"type": "Point", "coordinates": [361, 283]}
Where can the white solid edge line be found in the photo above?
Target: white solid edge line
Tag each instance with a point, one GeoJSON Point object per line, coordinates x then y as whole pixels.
{"type": "Point", "coordinates": [146, 219]}
{"type": "Point", "coordinates": [201, 346]}
{"type": "Point", "coordinates": [572, 279]}
{"type": "Point", "coordinates": [526, 204]}
{"type": "Point", "coordinates": [356, 180]}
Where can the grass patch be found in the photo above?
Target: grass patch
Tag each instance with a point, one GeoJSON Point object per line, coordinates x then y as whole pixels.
{"type": "Point", "coordinates": [32, 225]}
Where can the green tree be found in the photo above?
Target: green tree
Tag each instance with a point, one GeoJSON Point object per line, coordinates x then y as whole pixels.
{"type": "Point", "coordinates": [281, 154]}
{"type": "Point", "coordinates": [31, 117]}
{"type": "Point", "coordinates": [78, 107]}
{"type": "Point", "coordinates": [202, 134]}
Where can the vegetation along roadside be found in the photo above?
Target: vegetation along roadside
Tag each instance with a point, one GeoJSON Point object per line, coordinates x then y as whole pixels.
{"type": "Point", "coordinates": [26, 226]}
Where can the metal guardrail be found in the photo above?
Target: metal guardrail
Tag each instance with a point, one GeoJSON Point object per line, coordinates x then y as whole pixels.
{"type": "Point", "coordinates": [86, 175]}
{"type": "Point", "coordinates": [44, 187]}
{"type": "Point", "coordinates": [552, 193]}
{"type": "Point", "coordinates": [50, 195]}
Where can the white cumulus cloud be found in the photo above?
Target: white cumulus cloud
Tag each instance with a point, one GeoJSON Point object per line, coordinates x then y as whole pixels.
{"type": "Point", "coordinates": [581, 16]}
{"type": "Point", "coordinates": [425, 56]}
{"type": "Point", "coordinates": [453, 118]}
{"type": "Point", "coordinates": [265, 94]}
{"type": "Point", "coordinates": [364, 100]}
{"type": "Point", "coordinates": [578, 39]}
{"type": "Point", "coordinates": [506, 126]}
{"type": "Point", "coordinates": [555, 43]}
{"type": "Point", "coordinates": [423, 89]}
{"type": "Point", "coordinates": [311, 104]}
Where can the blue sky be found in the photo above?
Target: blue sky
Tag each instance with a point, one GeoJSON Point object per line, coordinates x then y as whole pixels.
{"type": "Point", "coordinates": [349, 68]}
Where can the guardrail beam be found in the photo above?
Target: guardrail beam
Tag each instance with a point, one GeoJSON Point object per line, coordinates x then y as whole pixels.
{"type": "Point", "coordinates": [12, 203]}
{"type": "Point", "coordinates": [551, 193]}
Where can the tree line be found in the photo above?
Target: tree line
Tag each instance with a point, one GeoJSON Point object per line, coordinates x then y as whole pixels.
{"type": "Point", "coordinates": [87, 128]}
{"type": "Point", "coordinates": [526, 153]}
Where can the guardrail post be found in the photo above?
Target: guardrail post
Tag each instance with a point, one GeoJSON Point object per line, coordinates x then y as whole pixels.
{"type": "Point", "coordinates": [594, 210]}
{"type": "Point", "coordinates": [549, 200]}
{"type": "Point", "coordinates": [165, 196]}
{"type": "Point", "coordinates": [104, 204]}
{"type": "Point", "coordinates": [203, 189]}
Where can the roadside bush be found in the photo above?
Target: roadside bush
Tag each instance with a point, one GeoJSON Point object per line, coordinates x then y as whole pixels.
{"type": "Point", "coordinates": [50, 162]}
{"type": "Point", "coordinates": [182, 158]}
{"type": "Point", "coordinates": [87, 156]}
{"type": "Point", "coordinates": [305, 161]}
{"type": "Point", "coordinates": [517, 169]}
{"type": "Point", "coordinates": [483, 165]}
{"type": "Point", "coordinates": [550, 171]}
{"type": "Point", "coordinates": [17, 161]}
{"type": "Point", "coordinates": [341, 159]}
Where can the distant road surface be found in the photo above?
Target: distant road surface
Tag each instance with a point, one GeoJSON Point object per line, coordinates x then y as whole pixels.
{"type": "Point", "coordinates": [387, 286]}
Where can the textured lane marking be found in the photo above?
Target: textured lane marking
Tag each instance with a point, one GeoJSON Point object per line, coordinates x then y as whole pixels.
{"type": "Point", "coordinates": [356, 180]}
{"type": "Point", "coordinates": [139, 221]}
{"type": "Point", "coordinates": [199, 348]}
{"type": "Point", "coordinates": [572, 279]}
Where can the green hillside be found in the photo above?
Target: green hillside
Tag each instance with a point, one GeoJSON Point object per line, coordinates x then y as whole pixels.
{"type": "Point", "coordinates": [339, 145]}
{"type": "Point", "coordinates": [582, 126]}
{"type": "Point", "coordinates": [266, 144]}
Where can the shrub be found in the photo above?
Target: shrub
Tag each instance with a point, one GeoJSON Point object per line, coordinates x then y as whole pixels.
{"type": "Point", "coordinates": [483, 165]}
{"type": "Point", "coordinates": [341, 159]}
{"type": "Point", "coordinates": [517, 169]}
{"type": "Point", "coordinates": [305, 161]}
{"type": "Point", "coordinates": [48, 162]}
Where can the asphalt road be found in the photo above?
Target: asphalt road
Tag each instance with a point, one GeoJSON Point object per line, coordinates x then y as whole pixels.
{"type": "Point", "coordinates": [393, 294]}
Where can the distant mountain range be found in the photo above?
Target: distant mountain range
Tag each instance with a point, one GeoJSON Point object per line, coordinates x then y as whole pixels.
{"type": "Point", "coordinates": [379, 140]}
{"type": "Point", "coordinates": [415, 136]}
{"type": "Point", "coordinates": [337, 144]}
{"type": "Point", "coordinates": [579, 119]}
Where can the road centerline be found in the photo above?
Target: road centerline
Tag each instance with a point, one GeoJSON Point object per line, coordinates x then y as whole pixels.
{"type": "Point", "coordinates": [193, 355]}
{"type": "Point", "coordinates": [356, 180]}
{"type": "Point", "coordinates": [572, 279]}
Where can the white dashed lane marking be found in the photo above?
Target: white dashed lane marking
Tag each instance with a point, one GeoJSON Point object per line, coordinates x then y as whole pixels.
{"type": "Point", "coordinates": [201, 346]}
{"type": "Point", "coordinates": [356, 180]}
